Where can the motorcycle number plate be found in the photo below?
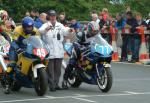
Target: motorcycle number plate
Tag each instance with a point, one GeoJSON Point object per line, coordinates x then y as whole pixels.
{"type": "Point", "coordinates": [40, 52]}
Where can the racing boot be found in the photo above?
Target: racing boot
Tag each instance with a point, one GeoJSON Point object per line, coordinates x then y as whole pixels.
{"type": "Point", "coordinates": [8, 79]}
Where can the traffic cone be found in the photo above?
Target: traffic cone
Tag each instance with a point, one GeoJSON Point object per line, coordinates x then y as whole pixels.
{"type": "Point", "coordinates": [144, 56]}
{"type": "Point", "coordinates": [115, 56]}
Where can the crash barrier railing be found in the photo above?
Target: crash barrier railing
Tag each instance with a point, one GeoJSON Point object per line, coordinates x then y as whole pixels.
{"type": "Point", "coordinates": [142, 31]}
{"type": "Point", "coordinates": [113, 33]}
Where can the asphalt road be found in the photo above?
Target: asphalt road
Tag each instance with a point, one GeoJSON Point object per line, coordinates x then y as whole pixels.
{"type": "Point", "coordinates": [131, 85]}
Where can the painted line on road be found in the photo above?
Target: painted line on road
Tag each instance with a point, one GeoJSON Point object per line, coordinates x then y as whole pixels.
{"type": "Point", "coordinates": [80, 96]}
{"type": "Point", "coordinates": [130, 63]}
{"type": "Point", "coordinates": [23, 100]}
{"type": "Point", "coordinates": [131, 92]}
{"type": "Point", "coordinates": [87, 100]}
{"type": "Point", "coordinates": [137, 79]}
{"type": "Point", "coordinates": [50, 97]}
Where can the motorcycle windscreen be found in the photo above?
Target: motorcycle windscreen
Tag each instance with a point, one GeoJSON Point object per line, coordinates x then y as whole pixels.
{"type": "Point", "coordinates": [101, 46]}
{"type": "Point", "coordinates": [68, 48]}
{"type": "Point", "coordinates": [36, 46]}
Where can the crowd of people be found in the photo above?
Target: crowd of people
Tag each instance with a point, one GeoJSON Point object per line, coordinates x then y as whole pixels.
{"type": "Point", "coordinates": [54, 27]}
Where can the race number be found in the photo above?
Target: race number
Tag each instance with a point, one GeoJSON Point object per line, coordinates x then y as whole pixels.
{"type": "Point", "coordinates": [102, 49]}
{"type": "Point", "coordinates": [40, 52]}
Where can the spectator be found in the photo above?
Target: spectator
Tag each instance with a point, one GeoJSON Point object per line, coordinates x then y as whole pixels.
{"type": "Point", "coordinates": [148, 22]}
{"type": "Point", "coordinates": [53, 34]}
{"type": "Point", "coordinates": [140, 21]}
{"type": "Point", "coordinates": [7, 25]}
{"type": "Point", "coordinates": [128, 8]}
{"type": "Point", "coordinates": [137, 38]}
{"type": "Point", "coordinates": [27, 13]}
{"type": "Point", "coordinates": [104, 25]}
{"type": "Point", "coordinates": [134, 39]}
{"type": "Point", "coordinates": [62, 19]}
{"type": "Point", "coordinates": [75, 25]}
{"type": "Point", "coordinates": [148, 28]}
{"type": "Point", "coordinates": [34, 14]}
{"type": "Point", "coordinates": [95, 17]}
{"type": "Point", "coordinates": [94, 13]}
{"type": "Point", "coordinates": [40, 21]}
{"type": "Point", "coordinates": [120, 22]}
{"type": "Point", "coordinates": [102, 21]}
{"type": "Point", "coordinates": [105, 14]}
{"type": "Point", "coordinates": [119, 25]}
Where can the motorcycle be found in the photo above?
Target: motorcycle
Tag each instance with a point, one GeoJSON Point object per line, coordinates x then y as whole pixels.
{"type": "Point", "coordinates": [4, 49]}
{"type": "Point", "coordinates": [30, 71]}
{"type": "Point", "coordinates": [93, 67]}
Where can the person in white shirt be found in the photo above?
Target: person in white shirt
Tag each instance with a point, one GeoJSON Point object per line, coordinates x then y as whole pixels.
{"type": "Point", "coordinates": [53, 34]}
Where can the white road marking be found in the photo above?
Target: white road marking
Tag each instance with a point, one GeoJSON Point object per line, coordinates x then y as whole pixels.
{"type": "Point", "coordinates": [129, 63]}
{"type": "Point", "coordinates": [22, 100]}
{"type": "Point", "coordinates": [80, 96]}
{"type": "Point", "coordinates": [137, 79]}
{"type": "Point", "coordinates": [131, 92]}
{"type": "Point", "coordinates": [50, 97]}
{"type": "Point", "coordinates": [85, 100]}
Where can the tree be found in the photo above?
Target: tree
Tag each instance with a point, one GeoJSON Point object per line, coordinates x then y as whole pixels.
{"type": "Point", "coordinates": [78, 9]}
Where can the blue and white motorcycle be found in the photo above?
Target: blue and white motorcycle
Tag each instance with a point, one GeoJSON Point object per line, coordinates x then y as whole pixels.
{"type": "Point", "coordinates": [94, 66]}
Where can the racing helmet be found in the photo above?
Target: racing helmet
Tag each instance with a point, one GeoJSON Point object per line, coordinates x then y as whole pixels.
{"type": "Point", "coordinates": [93, 27]}
{"type": "Point", "coordinates": [80, 36]}
{"type": "Point", "coordinates": [28, 25]}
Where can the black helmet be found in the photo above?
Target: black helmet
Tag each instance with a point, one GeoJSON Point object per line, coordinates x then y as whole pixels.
{"type": "Point", "coordinates": [81, 37]}
{"type": "Point", "coordinates": [51, 13]}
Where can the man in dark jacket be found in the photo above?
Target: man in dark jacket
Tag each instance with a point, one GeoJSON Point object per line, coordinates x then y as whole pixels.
{"type": "Point", "coordinates": [148, 28]}
{"type": "Point", "coordinates": [62, 19]}
{"type": "Point", "coordinates": [75, 25]}
{"type": "Point", "coordinates": [134, 39]}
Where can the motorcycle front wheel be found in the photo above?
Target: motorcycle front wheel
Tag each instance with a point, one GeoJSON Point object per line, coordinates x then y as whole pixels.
{"type": "Point", "coordinates": [105, 79]}
{"type": "Point", "coordinates": [41, 82]}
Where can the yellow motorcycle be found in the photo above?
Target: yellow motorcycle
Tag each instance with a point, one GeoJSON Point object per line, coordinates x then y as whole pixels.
{"type": "Point", "coordinates": [30, 71]}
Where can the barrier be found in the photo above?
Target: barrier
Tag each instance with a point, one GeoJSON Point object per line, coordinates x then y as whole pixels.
{"type": "Point", "coordinates": [143, 55]}
{"type": "Point", "coordinates": [115, 56]}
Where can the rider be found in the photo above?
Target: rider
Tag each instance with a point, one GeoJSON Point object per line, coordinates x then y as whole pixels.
{"type": "Point", "coordinates": [83, 39]}
{"type": "Point", "coordinates": [21, 32]}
